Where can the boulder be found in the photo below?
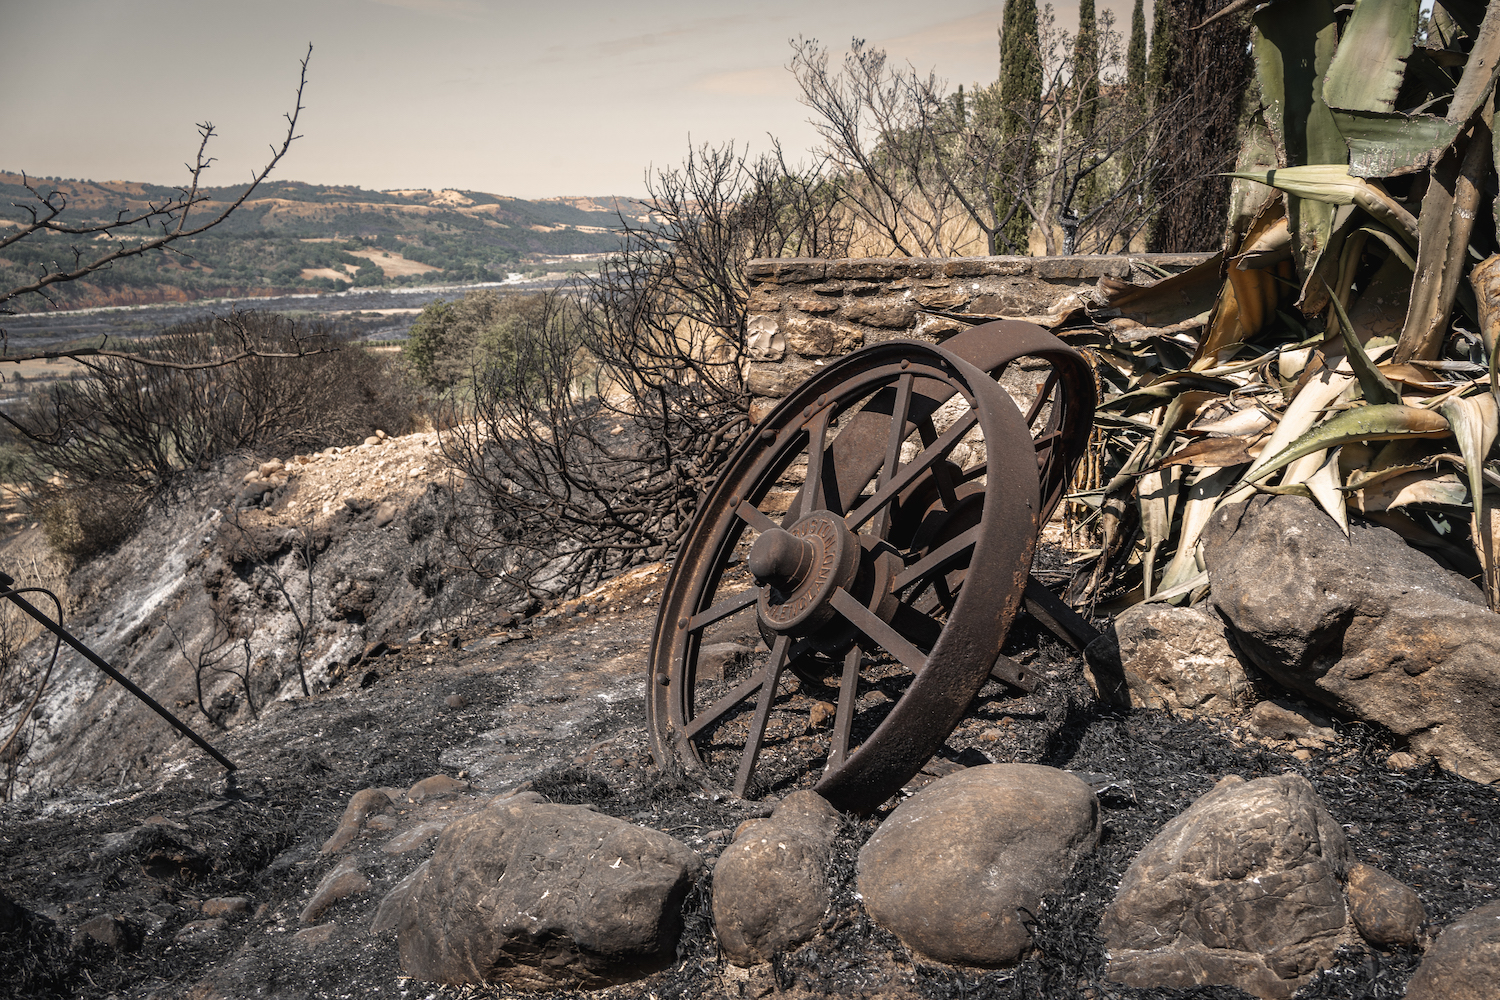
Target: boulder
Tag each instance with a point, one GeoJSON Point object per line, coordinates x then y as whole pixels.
{"type": "Point", "coordinates": [1464, 962]}
{"type": "Point", "coordinates": [1364, 624]}
{"type": "Point", "coordinates": [957, 868]}
{"type": "Point", "coordinates": [771, 885]}
{"type": "Point", "coordinates": [542, 896]}
{"type": "Point", "coordinates": [1244, 889]}
{"type": "Point", "coordinates": [1178, 660]}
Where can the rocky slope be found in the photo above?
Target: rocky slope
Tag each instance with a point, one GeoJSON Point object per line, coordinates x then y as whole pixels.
{"type": "Point", "coordinates": [141, 870]}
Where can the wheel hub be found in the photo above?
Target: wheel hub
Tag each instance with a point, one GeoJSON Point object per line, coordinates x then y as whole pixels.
{"type": "Point", "coordinates": [799, 568]}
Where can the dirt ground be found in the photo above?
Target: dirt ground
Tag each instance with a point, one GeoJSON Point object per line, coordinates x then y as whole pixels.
{"type": "Point", "coordinates": [149, 828]}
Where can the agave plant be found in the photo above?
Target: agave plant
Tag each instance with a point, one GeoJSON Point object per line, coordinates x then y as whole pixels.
{"type": "Point", "coordinates": [1340, 347]}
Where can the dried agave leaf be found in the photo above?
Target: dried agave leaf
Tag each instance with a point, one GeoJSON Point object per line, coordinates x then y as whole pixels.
{"type": "Point", "coordinates": [1431, 489]}
{"type": "Point", "coordinates": [1243, 422]}
{"type": "Point", "coordinates": [1363, 423]}
{"type": "Point", "coordinates": [1485, 527]}
{"type": "Point", "coordinates": [1170, 300]}
{"type": "Point", "coordinates": [1448, 210]}
{"type": "Point", "coordinates": [1485, 279]}
{"type": "Point", "coordinates": [1202, 496]}
{"type": "Point", "coordinates": [1475, 420]}
{"type": "Point", "coordinates": [1303, 468]}
{"type": "Point", "coordinates": [1213, 453]}
{"type": "Point", "coordinates": [1478, 80]}
{"type": "Point", "coordinates": [1324, 484]}
{"type": "Point", "coordinates": [1157, 492]}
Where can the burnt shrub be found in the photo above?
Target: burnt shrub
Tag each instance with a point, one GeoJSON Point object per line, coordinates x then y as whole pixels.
{"type": "Point", "coordinates": [108, 445]}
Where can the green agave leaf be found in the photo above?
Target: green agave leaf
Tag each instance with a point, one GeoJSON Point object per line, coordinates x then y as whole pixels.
{"type": "Point", "coordinates": [1373, 384]}
{"type": "Point", "coordinates": [1388, 143]}
{"type": "Point", "coordinates": [1302, 413]}
{"type": "Point", "coordinates": [1370, 63]}
{"type": "Point", "coordinates": [1332, 183]}
{"type": "Point", "coordinates": [1294, 45]}
{"type": "Point", "coordinates": [1386, 422]}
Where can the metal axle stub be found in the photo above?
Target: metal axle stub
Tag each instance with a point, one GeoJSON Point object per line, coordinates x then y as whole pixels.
{"type": "Point", "coordinates": [799, 569]}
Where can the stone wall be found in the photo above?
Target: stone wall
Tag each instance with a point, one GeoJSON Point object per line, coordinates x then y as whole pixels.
{"type": "Point", "coordinates": [803, 311]}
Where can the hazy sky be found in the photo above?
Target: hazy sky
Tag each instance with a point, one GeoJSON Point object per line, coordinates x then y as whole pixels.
{"type": "Point", "coordinates": [529, 99]}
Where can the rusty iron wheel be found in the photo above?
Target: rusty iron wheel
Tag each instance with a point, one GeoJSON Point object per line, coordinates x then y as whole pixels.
{"type": "Point", "coordinates": [876, 533]}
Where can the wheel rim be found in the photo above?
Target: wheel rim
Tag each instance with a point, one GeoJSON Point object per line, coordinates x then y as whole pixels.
{"type": "Point", "coordinates": [896, 640]}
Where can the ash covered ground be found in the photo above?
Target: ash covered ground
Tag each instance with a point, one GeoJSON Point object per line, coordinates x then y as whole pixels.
{"type": "Point", "coordinates": [563, 710]}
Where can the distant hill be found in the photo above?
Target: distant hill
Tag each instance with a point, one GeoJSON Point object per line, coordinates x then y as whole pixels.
{"type": "Point", "coordinates": [305, 237]}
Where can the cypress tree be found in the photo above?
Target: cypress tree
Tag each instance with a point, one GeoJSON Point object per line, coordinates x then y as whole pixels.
{"type": "Point", "coordinates": [1086, 67]}
{"type": "Point", "coordinates": [1201, 77]}
{"type": "Point", "coordinates": [1135, 53]}
{"type": "Point", "coordinates": [1020, 62]}
{"type": "Point", "coordinates": [1020, 100]}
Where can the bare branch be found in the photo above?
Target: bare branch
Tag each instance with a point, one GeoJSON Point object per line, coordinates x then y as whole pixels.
{"type": "Point", "coordinates": [170, 216]}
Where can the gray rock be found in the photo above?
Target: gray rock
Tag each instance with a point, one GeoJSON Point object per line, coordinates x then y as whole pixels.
{"type": "Point", "coordinates": [1243, 889]}
{"type": "Point", "coordinates": [316, 937]}
{"type": "Point", "coordinates": [108, 930]}
{"type": "Point", "coordinates": [1364, 624]}
{"type": "Point", "coordinates": [718, 659]}
{"type": "Point", "coordinates": [771, 885]}
{"type": "Point", "coordinates": [1387, 913]}
{"type": "Point", "coordinates": [345, 880]}
{"type": "Point", "coordinates": [1178, 659]}
{"type": "Point", "coordinates": [438, 786]}
{"type": "Point", "coordinates": [362, 806]}
{"type": "Point", "coordinates": [1274, 720]}
{"type": "Point", "coordinates": [542, 896]}
{"type": "Point", "coordinates": [226, 906]}
{"type": "Point", "coordinates": [1464, 962]}
{"type": "Point", "coordinates": [954, 871]}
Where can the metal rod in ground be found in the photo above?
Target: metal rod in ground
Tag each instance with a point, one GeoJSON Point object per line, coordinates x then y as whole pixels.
{"type": "Point", "coordinates": [125, 682]}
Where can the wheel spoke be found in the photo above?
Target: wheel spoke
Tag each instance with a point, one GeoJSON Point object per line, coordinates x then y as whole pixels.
{"type": "Point", "coordinates": [909, 472]}
{"type": "Point", "coordinates": [752, 515]}
{"type": "Point", "coordinates": [916, 626]}
{"type": "Point", "coordinates": [934, 560]}
{"type": "Point", "coordinates": [811, 496]}
{"type": "Point", "coordinates": [899, 413]}
{"type": "Point", "coordinates": [843, 719]}
{"type": "Point", "coordinates": [877, 631]}
{"type": "Point", "coordinates": [723, 609]}
{"type": "Point", "coordinates": [1042, 395]}
{"type": "Point", "coordinates": [757, 733]}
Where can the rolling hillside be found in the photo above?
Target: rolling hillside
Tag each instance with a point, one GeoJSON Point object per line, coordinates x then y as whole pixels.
{"type": "Point", "coordinates": [303, 237]}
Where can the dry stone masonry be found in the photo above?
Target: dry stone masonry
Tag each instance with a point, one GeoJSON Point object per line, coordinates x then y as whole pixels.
{"type": "Point", "coordinates": [803, 311]}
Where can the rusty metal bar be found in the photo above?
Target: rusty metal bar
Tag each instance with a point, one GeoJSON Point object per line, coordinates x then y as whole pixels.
{"type": "Point", "coordinates": [8, 581]}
